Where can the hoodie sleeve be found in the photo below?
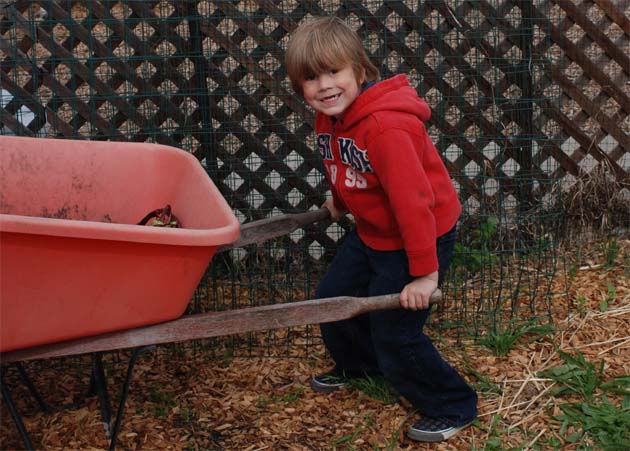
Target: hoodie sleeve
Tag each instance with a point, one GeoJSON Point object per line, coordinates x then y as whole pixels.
{"type": "Point", "coordinates": [339, 205]}
{"type": "Point", "coordinates": [397, 158]}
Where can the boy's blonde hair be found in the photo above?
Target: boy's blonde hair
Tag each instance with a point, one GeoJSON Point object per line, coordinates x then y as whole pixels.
{"type": "Point", "coordinates": [324, 43]}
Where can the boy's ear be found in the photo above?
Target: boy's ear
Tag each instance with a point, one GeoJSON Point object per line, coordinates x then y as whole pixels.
{"type": "Point", "coordinates": [362, 76]}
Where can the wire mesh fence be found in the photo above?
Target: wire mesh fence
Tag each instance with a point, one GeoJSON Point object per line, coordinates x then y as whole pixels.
{"type": "Point", "coordinates": [208, 77]}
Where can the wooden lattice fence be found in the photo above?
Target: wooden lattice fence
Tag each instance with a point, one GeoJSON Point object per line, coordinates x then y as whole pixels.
{"type": "Point", "coordinates": [144, 80]}
{"type": "Point", "coordinates": [208, 77]}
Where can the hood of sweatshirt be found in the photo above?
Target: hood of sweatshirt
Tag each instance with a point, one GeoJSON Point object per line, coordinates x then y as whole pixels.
{"type": "Point", "coordinates": [393, 94]}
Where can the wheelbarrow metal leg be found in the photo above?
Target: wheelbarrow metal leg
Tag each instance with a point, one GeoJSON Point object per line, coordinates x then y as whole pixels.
{"type": "Point", "coordinates": [31, 387]}
{"type": "Point", "coordinates": [15, 415]}
{"type": "Point", "coordinates": [99, 385]}
{"type": "Point", "coordinates": [125, 392]}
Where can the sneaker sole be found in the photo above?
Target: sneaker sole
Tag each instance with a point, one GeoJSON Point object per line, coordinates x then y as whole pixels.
{"type": "Point", "coordinates": [323, 388]}
{"type": "Point", "coordinates": [432, 437]}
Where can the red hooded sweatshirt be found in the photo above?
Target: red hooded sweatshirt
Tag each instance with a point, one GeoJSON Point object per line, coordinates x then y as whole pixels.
{"type": "Point", "coordinates": [384, 169]}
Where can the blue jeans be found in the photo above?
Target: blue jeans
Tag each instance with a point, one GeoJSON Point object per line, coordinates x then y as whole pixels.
{"type": "Point", "coordinates": [391, 342]}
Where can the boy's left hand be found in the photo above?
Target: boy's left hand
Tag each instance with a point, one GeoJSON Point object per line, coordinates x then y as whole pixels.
{"type": "Point", "coordinates": [416, 294]}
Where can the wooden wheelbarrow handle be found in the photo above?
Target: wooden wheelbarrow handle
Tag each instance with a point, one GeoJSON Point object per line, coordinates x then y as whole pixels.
{"type": "Point", "coordinates": [256, 232]}
{"type": "Point", "coordinates": [215, 324]}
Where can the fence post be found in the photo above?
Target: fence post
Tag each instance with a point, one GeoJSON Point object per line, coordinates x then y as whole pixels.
{"type": "Point", "coordinates": [525, 111]}
{"type": "Point", "coordinates": [203, 96]}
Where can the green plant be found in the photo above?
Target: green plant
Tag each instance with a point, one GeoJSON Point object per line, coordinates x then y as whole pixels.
{"type": "Point", "coordinates": [483, 384]}
{"type": "Point", "coordinates": [595, 422]}
{"type": "Point", "coordinates": [376, 387]}
{"type": "Point", "coordinates": [262, 401]}
{"type": "Point", "coordinates": [611, 295]}
{"type": "Point", "coordinates": [293, 395]}
{"type": "Point", "coordinates": [600, 422]}
{"type": "Point", "coordinates": [392, 444]}
{"type": "Point", "coordinates": [474, 256]}
{"type": "Point", "coordinates": [584, 378]}
{"type": "Point", "coordinates": [163, 402]}
{"type": "Point", "coordinates": [347, 440]}
{"type": "Point", "coordinates": [577, 375]}
{"type": "Point", "coordinates": [187, 414]}
{"type": "Point", "coordinates": [496, 437]}
{"type": "Point", "coordinates": [501, 340]}
{"type": "Point", "coordinates": [554, 443]}
{"type": "Point", "coordinates": [493, 442]}
{"type": "Point", "coordinates": [580, 302]}
{"type": "Point", "coordinates": [619, 385]}
{"type": "Point", "coordinates": [575, 262]}
{"type": "Point", "coordinates": [228, 356]}
{"type": "Point", "coordinates": [610, 249]}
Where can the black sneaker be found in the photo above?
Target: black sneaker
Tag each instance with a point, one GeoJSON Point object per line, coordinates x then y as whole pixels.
{"type": "Point", "coordinates": [435, 429]}
{"type": "Point", "coordinates": [329, 382]}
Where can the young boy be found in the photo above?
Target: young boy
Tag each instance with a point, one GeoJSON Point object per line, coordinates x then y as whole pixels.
{"type": "Point", "coordinates": [385, 171]}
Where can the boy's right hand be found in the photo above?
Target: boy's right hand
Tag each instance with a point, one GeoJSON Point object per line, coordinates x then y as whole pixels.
{"type": "Point", "coordinates": [416, 294]}
{"type": "Point", "coordinates": [335, 213]}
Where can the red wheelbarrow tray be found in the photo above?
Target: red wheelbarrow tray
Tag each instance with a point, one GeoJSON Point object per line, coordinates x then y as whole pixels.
{"type": "Point", "coordinates": [73, 262]}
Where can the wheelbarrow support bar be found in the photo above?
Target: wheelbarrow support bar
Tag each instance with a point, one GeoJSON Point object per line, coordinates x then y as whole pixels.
{"type": "Point", "coordinates": [215, 324]}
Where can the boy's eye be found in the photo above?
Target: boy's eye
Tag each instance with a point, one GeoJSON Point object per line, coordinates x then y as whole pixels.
{"type": "Point", "coordinates": [309, 77]}
{"type": "Point", "coordinates": [334, 71]}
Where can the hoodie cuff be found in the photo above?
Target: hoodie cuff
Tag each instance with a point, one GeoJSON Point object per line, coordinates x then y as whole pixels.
{"type": "Point", "coordinates": [421, 265]}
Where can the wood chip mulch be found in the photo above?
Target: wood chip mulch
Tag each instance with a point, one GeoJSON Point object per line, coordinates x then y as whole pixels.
{"type": "Point", "coordinates": [184, 400]}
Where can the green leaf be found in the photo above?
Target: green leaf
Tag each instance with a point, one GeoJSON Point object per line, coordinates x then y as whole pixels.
{"type": "Point", "coordinates": [574, 437]}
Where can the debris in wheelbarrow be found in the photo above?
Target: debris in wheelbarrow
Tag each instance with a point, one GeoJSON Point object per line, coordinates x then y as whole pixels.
{"type": "Point", "coordinates": [161, 217]}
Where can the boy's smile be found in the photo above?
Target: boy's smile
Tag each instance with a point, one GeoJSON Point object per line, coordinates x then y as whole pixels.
{"type": "Point", "coordinates": [330, 99]}
{"type": "Point", "coordinates": [332, 92]}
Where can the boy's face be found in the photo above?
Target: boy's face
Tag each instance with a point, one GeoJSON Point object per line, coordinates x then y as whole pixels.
{"type": "Point", "coordinates": [332, 92]}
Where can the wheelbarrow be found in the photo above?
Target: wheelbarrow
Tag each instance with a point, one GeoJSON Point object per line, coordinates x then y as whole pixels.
{"type": "Point", "coordinates": [80, 276]}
